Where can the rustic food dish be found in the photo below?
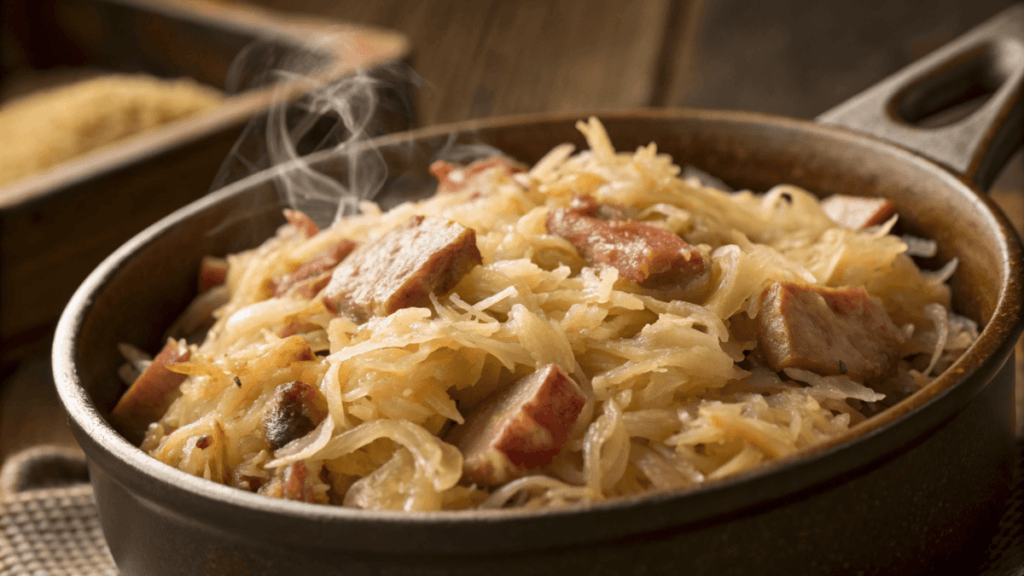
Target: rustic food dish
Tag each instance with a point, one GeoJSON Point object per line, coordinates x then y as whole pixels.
{"type": "Point", "coordinates": [910, 489]}
{"type": "Point", "coordinates": [594, 327]}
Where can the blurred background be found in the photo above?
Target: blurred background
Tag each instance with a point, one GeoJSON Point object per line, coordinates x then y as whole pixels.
{"type": "Point", "coordinates": [472, 59]}
{"type": "Point", "coordinates": [792, 57]}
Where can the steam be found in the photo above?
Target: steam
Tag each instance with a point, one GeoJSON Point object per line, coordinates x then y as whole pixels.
{"type": "Point", "coordinates": [318, 149]}
{"type": "Point", "coordinates": [315, 147]}
{"type": "Point", "coordinates": [352, 102]}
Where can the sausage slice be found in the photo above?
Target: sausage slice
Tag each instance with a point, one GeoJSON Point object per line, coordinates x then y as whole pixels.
{"type": "Point", "coordinates": [519, 428]}
{"type": "Point", "coordinates": [213, 271]}
{"type": "Point", "coordinates": [148, 397]}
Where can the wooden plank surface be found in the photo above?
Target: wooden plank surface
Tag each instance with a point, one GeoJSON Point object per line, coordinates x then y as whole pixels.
{"type": "Point", "coordinates": [490, 57]}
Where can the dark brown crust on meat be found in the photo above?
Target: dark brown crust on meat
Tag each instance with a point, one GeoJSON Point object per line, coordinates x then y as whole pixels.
{"type": "Point", "coordinates": [294, 411]}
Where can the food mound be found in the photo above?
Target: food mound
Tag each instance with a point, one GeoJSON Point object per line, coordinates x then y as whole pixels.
{"type": "Point", "coordinates": [592, 327]}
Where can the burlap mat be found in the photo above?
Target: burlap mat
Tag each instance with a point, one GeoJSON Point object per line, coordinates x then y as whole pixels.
{"type": "Point", "coordinates": [49, 526]}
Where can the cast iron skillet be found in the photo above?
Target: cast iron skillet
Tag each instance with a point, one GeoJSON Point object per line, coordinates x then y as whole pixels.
{"type": "Point", "coordinates": [904, 492]}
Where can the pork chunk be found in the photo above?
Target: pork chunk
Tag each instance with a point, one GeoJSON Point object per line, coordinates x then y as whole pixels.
{"type": "Point", "coordinates": [646, 254]}
{"type": "Point", "coordinates": [855, 212]}
{"type": "Point", "coordinates": [312, 276]}
{"type": "Point", "coordinates": [302, 222]}
{"type": "Point", "coordinates": [828, 331]}
{"type": "Point", "coordinates": [401, 268]}
{"type": "Point", "coordinates": [452, 179]}
{"type": "Point", "coordinates": [520, 428]}
{"type": "Point", "coordinates": [148, 397]}
{"type": "Point", "coordinates": [213, 272]}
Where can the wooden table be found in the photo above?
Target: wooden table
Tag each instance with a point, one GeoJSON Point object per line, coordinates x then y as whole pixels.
{"type": "Point", "coordinates": [481, 58]}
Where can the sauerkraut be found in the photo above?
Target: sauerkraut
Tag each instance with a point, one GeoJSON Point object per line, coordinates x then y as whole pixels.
{"type": "Point", "coordinates": [286, 395]}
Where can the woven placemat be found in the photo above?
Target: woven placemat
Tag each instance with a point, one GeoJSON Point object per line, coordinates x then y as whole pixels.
{"type": "Point", "coordinates": [48, 520]}
{"type": "Point", "coordinates": [49, 525]}
{"type": "Point", "coordinates": [51, 532]}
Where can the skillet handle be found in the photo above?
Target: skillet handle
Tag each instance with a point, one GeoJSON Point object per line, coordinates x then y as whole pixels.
{"type": "Point", "coordinates": [987, 60]}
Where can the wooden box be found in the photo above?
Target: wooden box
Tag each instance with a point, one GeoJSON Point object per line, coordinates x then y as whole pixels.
{"type": "Point", "coordinates": [57, 226]}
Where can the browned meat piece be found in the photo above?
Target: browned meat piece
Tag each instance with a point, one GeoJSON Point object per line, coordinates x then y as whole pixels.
{"type": "Point", "coordinates": [828, 331]}
{"type": "Point", "coordinates": [519, 428]}
{"type": "Point", "coordinates": [310, 288]}
{"type": "Point", "coordinates": [148, 397]}
{"type": "Point", "coordinates": [452, 179]}
{"type": "Point", "coordinates": [855, 212]}
{"type": "Point", "coordinates": [589, 206]}
{"type": "Point", "coordinates": [213, 272]}
{"type": "Point", "coordinates": [441, 169]}
{"type": "Point", "coordinates": [648, 255]}
{"type": "Point", "coordinates": [401, 268]}
{"type": "Point", "coordinates": [294, 482]}
{"type": "Point", "coordinates": [310, 278]}
{"type": "Point", "coordinates": [304, 223]}
{"type": "Point", "coordinates": [294, 411]}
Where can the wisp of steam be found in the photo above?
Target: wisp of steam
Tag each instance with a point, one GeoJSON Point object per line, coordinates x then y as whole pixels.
{"type": "Point", "coordinates": [332, 122]}
{"type": "Point", "coordinates": [332, 118]}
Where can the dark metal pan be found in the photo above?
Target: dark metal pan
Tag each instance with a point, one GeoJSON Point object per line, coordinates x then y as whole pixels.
{"type": "Point", "coordinates": [907, 491]}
